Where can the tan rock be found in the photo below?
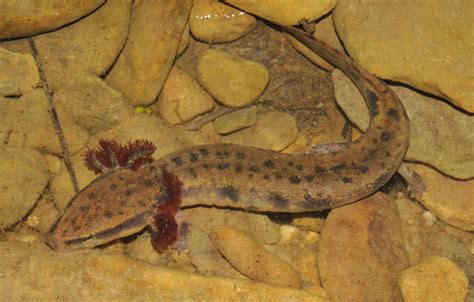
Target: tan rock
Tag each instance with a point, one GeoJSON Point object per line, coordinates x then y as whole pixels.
{"type": "Point", "coordinates": [449, 199]}
{"type": "Point", "coordinates": [434, 279]}
{"type": "Point", "coordinates": [233, 81]}
{"type": "Point", "coordinates": [251, 259]}
{"type": "Point", "coordinates": [88, 46]}
{"type": "Point", "coordinates": [396, 42]}
{"type": "Point", "coordinates": [31, 126]}
{"type": "Point", "coordinates": [19, 18]}
{"type": "Point", "coordinates": [155, 33]}
{"type": "Point", "coordinates": [440, 135]}
{"type": "Point", "coordinates": [43, 216]}
{"type": "Point", "coordinates": [236, 120]}
{"type": "Point", "coordinates": [184, 41]}
{"type": "Point", "coordinates": [104, 276]}
{"type": "Point", "coordinates": [24, 179]}
{"type": "Point", "coordinates": [285, 12]}
{"type": "Point", "coordinates": [94, 105]}
{"type": "Point", "coordinates": [206, 258]}
{"type": "Point", "coordinates": [424, 239]}
{"type": "Point", "coordinates": [309, 223]}
{"type": "Point", "coordinates": [274, 130]}
{"type": "Point", "coordinates": [300, 145]}
{"type": "Point", "coordinates": [258, 226]}
{"type": "Point", "coordinates": [325, 31]}
{"type": "Point", "coordinates": [361, 251]}
{"type": "Point", "coordinates": [182, 98]}
{"type": "Point", "coordinates": [19, 73]}
{"type": "Point", "coordinates": [215, 22]}
{"type": "Point", "coordinates": [4, 132]}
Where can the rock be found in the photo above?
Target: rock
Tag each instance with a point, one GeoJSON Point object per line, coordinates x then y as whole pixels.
{"type": "Point", "coordinates": [206, 258]}
{"type": "Point", "coordinates": [309, 223]}
{"type": "Point", "coordinates": [286, 12]}
{"type": "Point", "coordinates": [25, 176]}
{"type": "Point", "coordinates": [20, 18]}
{"type": "Point", "coordinates": [251, 259]}
{"type": "Point", "coordinates": [31, 126]}
{"type": "Point", "coordinates": [399, 43]}
{"type": "Point", "coordinates": [448, 131]}
{"type": "Point", "coordinates": [233, 81]}
{"type": "Point", "coordinates": [182, 98]}
{"type": "Point", "coordinates": [184, 41]}
{"type": "Point", "coordinates": [424, 239]}
{"type": "Point", "coordinates": [258, 226]}
{"type": "Point", "coordinates": [325, 31]}
{"type": "Point", "coordinates": [236, 120]}
{"type": "Point", "coordinates": [449, 199]}
{"type": "Point", "coordinates": [19, 73]}
{"type": "Point", "coordinates": [89, 46]}
{"type": "Point", "coordinates": [105, 276]}
{"type": "Point", "coordinates": [434, 279]}
{"type": "Point", "coordinates": [274, 130]}
{"type": "Point", "coordinates": [94, 105]}
{"type": "Point", "coordinates": [155, 33]}
{"type": "Point", "coordinates": [215, 22]}
{"type": "Point", "coordinates": [4, 132]}
{"type": "Point", "coordinates": [361, 251]}
{"type": "Point", "coordinates": [43, 217]}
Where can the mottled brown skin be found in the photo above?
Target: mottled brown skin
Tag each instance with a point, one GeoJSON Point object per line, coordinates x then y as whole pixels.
{"type": "Point", "coordinates": [246, 177]}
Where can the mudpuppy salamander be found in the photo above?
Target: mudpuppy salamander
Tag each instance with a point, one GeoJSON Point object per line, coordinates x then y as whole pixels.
{"type": "Point", "coordinates": [122, 202]}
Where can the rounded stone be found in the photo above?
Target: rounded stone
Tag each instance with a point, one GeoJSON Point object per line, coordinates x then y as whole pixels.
{"type": "Point", "coordinates": [434, 279]}
{"type": "Point", "coordinates": [233, 81]}
{"type": "Point", "coordinates": [182, 98]}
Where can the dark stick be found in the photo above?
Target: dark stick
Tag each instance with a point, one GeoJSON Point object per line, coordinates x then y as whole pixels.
{"type": "Point", "coordinates": [54, 117]}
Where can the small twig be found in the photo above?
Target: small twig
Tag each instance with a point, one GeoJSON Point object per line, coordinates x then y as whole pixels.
{"type": "Point", "coordinates": [54, 117]}
{"type": "Point", "coordinates": [201, 121]}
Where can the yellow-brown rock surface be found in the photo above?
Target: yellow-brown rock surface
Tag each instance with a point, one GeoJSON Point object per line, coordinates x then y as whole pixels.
{"type": "Point", "coordinates": [155, 32]}
{"type": "Point", "coordinates": [425, 45]}
{"type": "Point", "coordinates": [19, 18]}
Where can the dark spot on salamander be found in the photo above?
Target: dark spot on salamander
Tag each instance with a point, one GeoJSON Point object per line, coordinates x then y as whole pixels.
{"type": "Point", "coordinates": [147, 182]}
{"type": "Point", "coordinates": [315, 204]}
{"type": "Point", "coordinates": [113, 187]}
{"type": "Point", "coordinates": [84, 209]}
{"type": "Point", "coordinates": [192, 171]}
{"type": "Point", "coordinates": [294, 179]}
{"type": "Point", "coordinates": [347, 180]}
{"type": "Point", "coordinates": [299, 167]}
{"type": "Point", "coordinates": [223, 166]}
{"type": "Point", "coordinates": [142, 202]}
{"type": "Point", "coordinates": [388, 154]}
{"type": "Point", "coordinates": [338, 168]}
{"type": "Point", "coordinates": [393, 114]}
{"type": "Point", "coordinates": [309, 178]}
{"type": "Point", "coordinates": [363, 169]}
{"type": "Point", "coordinates": [372, 102]}
{"type": "Point", "coordinates": [206, 166]}
{"type": "Point", "coordinates": [386, 136]}
{"type": "Point", "coordinates": [151, 167]}
{"type": "Point", "coordinates": [250, 175]}
{"type": "Point", "coordinates": [92, 195]}
{"type": "Point", "coordinates": [128, 192]}
{"type": "Point", "coordinates": [319, 170]}
{"type": "Point", "coordinates": [240, 155]}
{"type": "Point", "coordinates": [108, 214]}
{"type": "Point", "coordinates": [278, 175]}
{"type": "Point", "coordinates": [238, 168]}
{"type": "Point", "coordinates": [123, 202]}
{"type": "Point", "coordinates": [222, 154]}
{"type": "Point", "coordinates": [193, 157]}
{"type": "Point", "coordinates": [204, 151]}
{"type": "Point", "coordinates": [290, 163]}
{"type": "Point", "coordinates": [177, 160]}
{"type": "Point", "coordinates": [254, 168]}
{"type": "Point", "coordinates": [266, 176]}
{"type": "Point", "coordinates": [278, 200]}
{"type": "Point", "coordinates": [229, 192]}
{"type": "Point", "coordinates": [268, 163]}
